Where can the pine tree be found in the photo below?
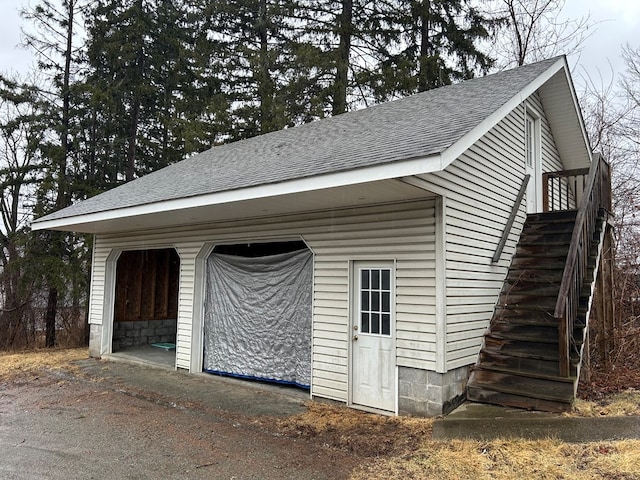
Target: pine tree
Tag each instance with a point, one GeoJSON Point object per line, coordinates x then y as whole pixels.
{"type": "Point", "coordinates": [56, 58]}
{"type": "Point", "coordinates": [249, 38]}
{"type": "Point", "coordinates": [433, 43]}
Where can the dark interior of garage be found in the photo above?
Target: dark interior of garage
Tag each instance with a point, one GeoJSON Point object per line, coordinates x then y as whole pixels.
{"type": "Point", "coordinates": [146, 302]}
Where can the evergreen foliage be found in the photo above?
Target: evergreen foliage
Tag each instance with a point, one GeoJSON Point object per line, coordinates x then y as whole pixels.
{"type": "Point", "coordinates": [150, 82]}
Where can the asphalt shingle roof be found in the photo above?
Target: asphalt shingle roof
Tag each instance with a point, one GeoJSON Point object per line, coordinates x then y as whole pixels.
{"type": "Point", "coordinates": [416, 126]}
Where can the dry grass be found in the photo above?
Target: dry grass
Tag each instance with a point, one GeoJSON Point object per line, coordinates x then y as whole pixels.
{"type": "Point", "coordinates": [615, 405]}
{"type": "Point", "coordinates": [13, 365]}
{"type": "Point", "coordinates": [401, 447]}
{"type": "Point", "coordinates": [506, 460]}
{"type": "Point", "coordinates": [364, 433]}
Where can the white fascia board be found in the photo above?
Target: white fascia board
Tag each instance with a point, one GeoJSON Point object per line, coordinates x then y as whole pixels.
{"type": "Point", "coordinates": [458, 148]}
{"type": "Point", "coordinates": [403, 168]}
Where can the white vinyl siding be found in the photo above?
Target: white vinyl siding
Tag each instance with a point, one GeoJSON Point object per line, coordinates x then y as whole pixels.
{"type": "Point", "coordinates": [406, 236]}
{"type": "Point", "coordinates": [96, 293]}
{"type": "Point", "coordinates": [482, 186]}
{"type": "Point", "coordinates": [403, 233]}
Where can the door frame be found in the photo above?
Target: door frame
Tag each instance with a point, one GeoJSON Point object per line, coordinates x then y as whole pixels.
{"type": "Point", "coordinates": [532, 118]}
{"type": "Point", "coordinates": [353, 310]}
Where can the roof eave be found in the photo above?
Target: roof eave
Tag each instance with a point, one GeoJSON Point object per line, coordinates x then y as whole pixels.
{"type": "Point", "coordinates": [398, 169]}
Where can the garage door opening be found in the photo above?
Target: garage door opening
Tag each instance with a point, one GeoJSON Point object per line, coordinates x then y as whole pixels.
{"type": "Point", "coordinates": [146, 304]}
{"type": "Point", "coordinates": [258, 312]}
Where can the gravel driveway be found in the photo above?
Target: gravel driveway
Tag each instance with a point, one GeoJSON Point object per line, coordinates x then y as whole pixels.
{"type": "Point", "coordinates": [120, 421]}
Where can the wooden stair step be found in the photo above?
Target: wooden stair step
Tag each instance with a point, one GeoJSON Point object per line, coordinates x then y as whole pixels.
{"type": "Point", "coordinates": [537, 312]}
{"type": "Point", "coordinates": [539, 301]}
{"type": "Point", "coordinates": [536, 320]}
{"type": "Point", "coordinates": [557, 389]}
{"type": "Point", "coordinates": [523, 317]}
{"type": "Point", "coordinates": [521, 363]}
{"type": "Point", "coordinates": [521, 347]}
{"type": "Point", "coordinates": [520, 331]}
{"type": "Point", "coordinates": [510, 346]}
{"type": "Point", "coordinates": [542, 227]}
{"type": "Point", "coordinates": [541, 238]}
{"type": "Point", "coordinates": [521, 300]}
{"type": "Point", "coordinates": [533, 263]}
{"type": "Point", "coordinates": [481, 395]}
{"type": "Point", "coordinates": [543, 251]}
{"type": "Point", "coordinates": [536, 289]}
{"type": "Point", "coordinates": [550, 354]}
{"type": "Point", "coordinates": [524, 335]}
{"type": "Point", "coordinates": [552, 217]}
{"type": "Point", "coordinates": [518, 350]}
{"type": "Point", "coordinates": [531, 337]}
{"type": "Point", "coordinates": [522, 273]}
{"type": "Point", "coordinates": [552, 376]}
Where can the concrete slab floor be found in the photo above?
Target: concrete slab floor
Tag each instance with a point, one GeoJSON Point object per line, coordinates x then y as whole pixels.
{"type": "Point", "coordinates": [212, 391]}
{"type": "Point", "coordinates": [146, 355]}
{"type": "Point", "coordinates": [475, 421]}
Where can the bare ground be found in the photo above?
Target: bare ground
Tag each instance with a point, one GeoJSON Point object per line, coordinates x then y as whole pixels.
{"type": "Point", "coordinates": [63, 416]}
{"type": "Point", "coordinates": [58, 425]}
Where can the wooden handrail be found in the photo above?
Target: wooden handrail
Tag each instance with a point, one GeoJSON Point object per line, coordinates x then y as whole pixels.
{"type": "Point", "coordinates": [557, 180]}
{"type": "Point", "coordinates": [512, 217]}
{"type": "Point", "coordinates": [596, 196]}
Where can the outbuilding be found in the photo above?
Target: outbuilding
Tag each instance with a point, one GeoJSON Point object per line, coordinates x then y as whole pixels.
{"type": "Point", "coordinates": [360, 255]}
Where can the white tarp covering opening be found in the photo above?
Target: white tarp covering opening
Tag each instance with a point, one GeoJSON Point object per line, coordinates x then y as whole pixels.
{"type": "Point", "coordinates": [258, 316]}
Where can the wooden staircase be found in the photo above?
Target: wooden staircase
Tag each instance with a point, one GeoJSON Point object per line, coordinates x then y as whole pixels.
{"type": "Point", "coordinates": [528, 360]}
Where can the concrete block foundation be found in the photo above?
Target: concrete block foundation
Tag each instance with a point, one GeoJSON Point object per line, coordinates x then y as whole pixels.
{"type": "Point", "coordinates": [143, 332]}
{"type": "Point", "coordinates": [95, 340]}
{"type": "Point", "coordinates": [428, 394]}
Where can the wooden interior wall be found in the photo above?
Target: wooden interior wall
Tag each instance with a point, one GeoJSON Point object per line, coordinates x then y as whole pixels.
{"type": "Point", "coordinates": [147, 285]}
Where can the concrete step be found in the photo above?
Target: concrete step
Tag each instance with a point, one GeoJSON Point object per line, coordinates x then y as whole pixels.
{"type": "Point", "coordinates": [483, 422]}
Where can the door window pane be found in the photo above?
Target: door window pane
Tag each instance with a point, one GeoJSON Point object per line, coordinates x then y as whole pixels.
{"type": "Point", "coordinates": [386, 307]}
{"type": "Point", "coordinates": [364, 324]}
{"type": "Point", "coordinates": [386, 324]}
{"type": "Point", "coordinates": [375, 323]}
{"type": "Point", "coordinates": [365, 278]}
{"type": "Point", "coordinates": [375, 278]}
{"type": "Point", "coordinates": [386, 279]}
{"type": "Point", "coordinates": [365, 301]}
{"type": "Point", "coordinates": [375, 301]}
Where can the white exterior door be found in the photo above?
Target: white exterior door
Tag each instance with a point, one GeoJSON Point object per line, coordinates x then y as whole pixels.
{"type": "Point", "coordinates": [533, 163]}
{"type": "Point", "coordinates": [373, 361]}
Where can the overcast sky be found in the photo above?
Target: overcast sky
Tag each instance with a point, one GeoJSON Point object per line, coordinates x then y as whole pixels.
{"type": "Point", "coordinates": [618, 22]}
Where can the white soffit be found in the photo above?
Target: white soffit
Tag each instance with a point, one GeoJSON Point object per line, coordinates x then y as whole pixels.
{"type": "Point", "coordinates": [567, 124]}
{"type": "Point", "coordinates": [168, 214]}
